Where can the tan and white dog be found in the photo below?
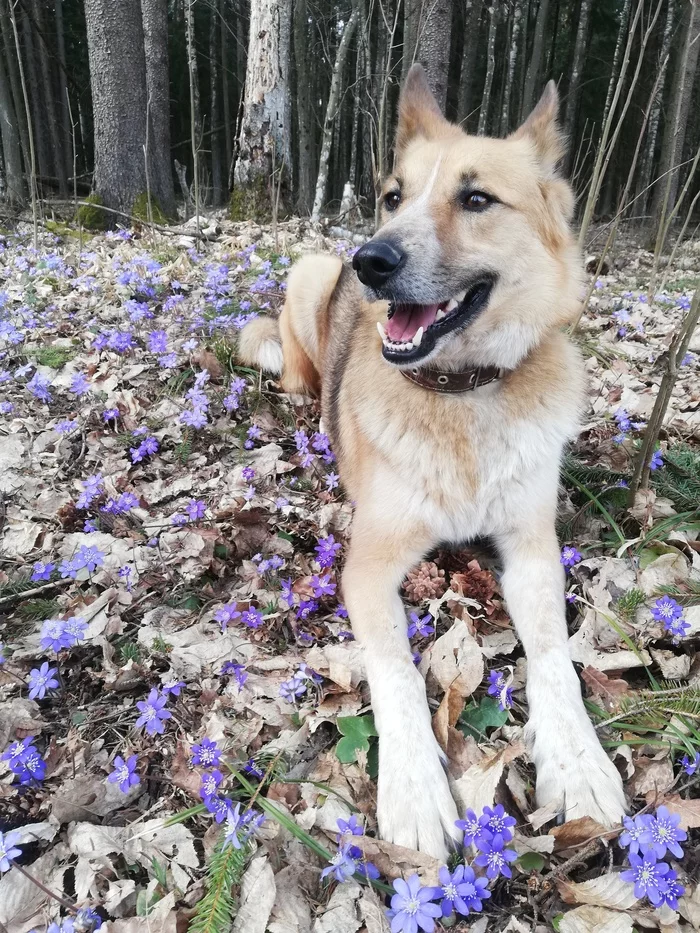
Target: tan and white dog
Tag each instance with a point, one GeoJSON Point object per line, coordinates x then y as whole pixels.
{"type": "Point", "coordinates": [449, 391]}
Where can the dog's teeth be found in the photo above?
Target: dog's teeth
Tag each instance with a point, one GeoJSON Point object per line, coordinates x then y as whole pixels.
{"type": "Point", "coordinates": [460, 297]}
{"type": "Point", "coordinates": [451, 305]}
{"type": "Point", "coordinates": [382, 332]}
{"type": "Point", "coordinates": [440, 315]}
{"type": "Point", "coordinates": [417, 337]}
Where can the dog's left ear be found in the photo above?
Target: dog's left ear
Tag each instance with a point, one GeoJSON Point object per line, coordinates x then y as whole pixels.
{"type": "Point", "coordinates": [542, 128]}
{"type": "Point", "coordinates": [419, 112]}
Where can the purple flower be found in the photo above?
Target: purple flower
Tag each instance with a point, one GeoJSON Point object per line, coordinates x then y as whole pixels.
{"type": "Point", "coordinates": [207, 753]}
{"type": "Point", "coordinates": [65, 427]}
{"type": "Point", "coordinates": [326, 551]}
{"type": "Point", "coordinates": [239, 827]}
{"type": "Point", "coordinates": [40, 680]}
{"type": "Point", "coordinates": [248, 474]}
{"type": "Point", "coordinates": [93, 487]}
{"type": "Point", "coordinates": [251, 768]}
{"type": "Point", "coordinates": [74, 630]}
{"type": "Point", "coordinates": [238, 671]}
{"type": "Point", "coordinates": [110, 414]}
{"type": "Point", "coordinates": [666, 610]}
{"type": "Point", "coordinates": [210, 783]}
{"type": "Point", "coordinates": [678, 628]}
{"type": "Point", "coordinates": [331, 481]}
{"type": "Point", "coordinates": [15, 751]}
{"type": "Point", "coordinates": [79, 384]}
{"type": "Point", "coordinates": [306, 608]}
{"type": "Point", "coordinates": [39, 387]}
{"type": "Point", "coordinates": [648, 876]}
{"type": "Point", "coordinates": [173, 687]}
{"type": "Point", "coordinates": [470, 826]}
{"type": "Point", "coordinates": [569, 556]}
{"type": "Point", "coordinates": [42, 571]}
{"type": "Point", "coordinates": [196, 509]}
{"type": "Point", "coordinates": [293, 688]}
{"type": "Point", "coordinates": [53, 635]}
{"type": "Point", "coordinates": [493, 856]}
{"type": "Point", "coordinates": [30, 766]}
{"type": "Point", "coordinates": [665, 833]}
{"type": "Point", "coordinates": [218, 807]}
{"type": "Point", "coordinates": [499, 688]}
{"type": "Point", "coordinates": [461, 891]}
{"type": "Point", "coordinates": [342, 866]}
{"type": "Point", "coordinates": [152, 713]}
{"type": "Point", "coordinates": [637, 832]}
{"type": "Point", "coordinates": [690, 767]}
{"type": "Point", "coordinates": [89, 526]}
{"type": "Point", "coordinates": [418, 626]}
{"type": "Point", "coordinates": [196, 418]}
{"type": "Point", "coordinates": [252, 617]}
{"type": "Point", "coordinates": [349, 826]}
{"type": "Point", "coordinates": [158, 341]}
{"type": "Point", "coordinates": [8, 849]}
{"type": "Point", "coordinates": [412, 908]}
{"type": "Point", "coordinates": [124, 773]}
{"type": "Point", "coordinates": [287, 594]}
{"type": "Point", "coordinates": [657, 460]}
{"type": "Point", "coordinates": [497, 821]}
{"type": "Point", "coordinates": [322, 586]}
{"type": "Point", "coordinates": [674, 891]}
{"type": "Point", "coordinates": [89, 557]}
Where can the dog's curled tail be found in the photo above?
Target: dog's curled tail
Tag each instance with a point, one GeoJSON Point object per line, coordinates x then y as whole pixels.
{"type": "Point", "coordinates": [260, 345]}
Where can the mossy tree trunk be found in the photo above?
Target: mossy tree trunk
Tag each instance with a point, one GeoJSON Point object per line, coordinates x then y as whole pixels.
{"type": "Point", "coordinates": [264, 144]}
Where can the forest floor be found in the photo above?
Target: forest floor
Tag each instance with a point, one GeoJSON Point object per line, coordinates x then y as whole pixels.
{"type": "Point", "coordinates": [185, 517]}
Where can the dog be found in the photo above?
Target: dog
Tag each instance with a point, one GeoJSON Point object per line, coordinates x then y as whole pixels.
{"type": "Point", "coordinates": [449, 390]}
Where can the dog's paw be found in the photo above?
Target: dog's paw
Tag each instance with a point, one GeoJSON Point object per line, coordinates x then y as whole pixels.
{"type": "Point", "coordinates": [574, 775]}
{"type": "Point", "coordinates": [415, 808]}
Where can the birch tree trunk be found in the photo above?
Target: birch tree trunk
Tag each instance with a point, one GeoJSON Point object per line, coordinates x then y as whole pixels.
{"type": "Point", "coordinates": [434, 46]}
{"type": "Point", "coordinates": [411, 29]}
{"type": "Point", "coordinates": [572, 98]}
{"type": "Point", "coordinates": [472, 23]}
{"type": "Point", "coordinates": [331, 114]}
{"type": "Point", "coordinates": [655, 115]}
{"type": "Point", "coordinates": [15, 190]}
{"type": "Point", "coordinates": [490, 65]}
{"type": "Point", "coordinates": [264, 142]}
{"type": "Point", "coordinates": [305, 147]}
{"type": "Point", "coordinates": [534, 68]}
{"type": "Point", "coordinates": [155, 36]}
{"type": "Point", "coordinates": [512, 60]}
{"type": "Point", "coordinates": [675, 130]}
{"type": "Point", "coordinates": [195, 104]}
{"type": "Point", "coordinates": [117, 63]}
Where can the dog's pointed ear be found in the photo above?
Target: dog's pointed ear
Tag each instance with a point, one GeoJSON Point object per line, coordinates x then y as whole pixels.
{"type": "Point", "coordinates": [419, 112]}
{"type": "Point", "coordinates": [542, 128]}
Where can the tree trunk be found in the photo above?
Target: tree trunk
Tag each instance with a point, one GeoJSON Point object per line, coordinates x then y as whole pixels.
{"type": "Point", "coordinates": [355, 131]}
{"type": "Point", "coordinates": [39, 118]}
{"type": "Point", "coordinates": [48, 97]}
{"type": "Point", "coordinates": [15, 190]}
{"type": "Point", "coordinates": [655, 115]}
{"type": "Point", "coordinates": [118, 83]}
{"type": "Point", "coordinates": [674, 132]}
{"type": "Point", "coordinates": [155, 37]}
{"type": "Point", "coordinates": [512, 60]}
{"type": "Point", "coordinates": [216, 173]}
{"type": "Point", "coordinates": [466, 77]}
{"type": "Point", "coordinates": [434, 46]}
{"type": "Point", "coordinates": [195, 103]}
{"type": "Point", "coordinates": [225, 88]}
{"type": "Point", "coordinates": [572, 99]}
{"type": "Point", "coordinates": [490, 65]}
{"type": "Point", "coordinates": [411, 29]}
{"type": "Point", "coordinates": [12, 72]}
{"type": "Point", "coordinates": [66, 131]}
{"type": "Point", "coordinates": [331, 114]}
{"type": "Point", "coordinates": [264, 142]}
{"type": "Point", "coordinates": [619, 45]}
{"type": "Point", "coordinates": [305, 126]}
{"type": "Point", "coordinates": [534, 68]}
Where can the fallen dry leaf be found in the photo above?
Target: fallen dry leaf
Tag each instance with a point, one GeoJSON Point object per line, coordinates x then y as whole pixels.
{"type": "Point", "coordinates": [578, 832]}
{"type": "Point", "coordinates": [607, 891]}
{"type": "Point", "coordinates": [590, 919]}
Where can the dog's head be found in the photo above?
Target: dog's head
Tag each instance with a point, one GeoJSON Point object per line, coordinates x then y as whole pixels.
{"type": "Point", "coordinates": [475, 254]}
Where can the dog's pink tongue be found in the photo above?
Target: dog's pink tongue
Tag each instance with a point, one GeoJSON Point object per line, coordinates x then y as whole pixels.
{"type": "Point", "coordinates": [407, 319]}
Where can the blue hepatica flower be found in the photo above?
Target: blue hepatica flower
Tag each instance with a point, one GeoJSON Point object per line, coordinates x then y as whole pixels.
{"type": "Point", "coordinates": [461, 891]}
{"type": "Point", "coordinates": [41, 680]}
{"type": "Point", "coordinates": [493, 855]}
{"type": "Point", "coordinates": [9, 850]}
{"type": "Point", "coordinates": [690, 767]}
{"type": "Point", "coordinates": [497, 821]}
{"type": "Point", "coordinates": [569, 556]}
{"type": "Point", "coordinates": [418, 626]}
{"type": "Point", "coordinates": [648, 876]}
{"type": "Point", "coordinates": [342, 866]}
{"type": "Point", "coordinates": [206, 753]}
{"type": "Point", "coordinates": [637, 832]}
{"type": "Point", "coordinates": [152, 713]}
{"type": "Point", "coordinates": [498, 687]}
{"type": "Point", "coordinates": [470, 826]}
{"type": "Point", "coordinates": [412, 908]}
{"type": "Point", "coordinates": [124, 773]}
{"type": "Point", "coordinates": [666, 834]}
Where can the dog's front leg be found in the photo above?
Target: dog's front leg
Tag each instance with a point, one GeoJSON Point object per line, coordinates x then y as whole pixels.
{"type": "Point", "coordinates": [573, 772]}
{"type": "Point", "coordinates": [414, 806]}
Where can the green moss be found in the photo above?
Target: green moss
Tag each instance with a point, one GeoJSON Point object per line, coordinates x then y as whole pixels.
{"type": "Point", "coordinates": [89, 214]}
{"type": "Point", "coordinates": [53, 357]}
{"type": "Point", "coordinates": [140, 210]}
{"type": "Point", "coordinates": [251, 202]}
{"type": "Point", "coordinates": [62, 230]}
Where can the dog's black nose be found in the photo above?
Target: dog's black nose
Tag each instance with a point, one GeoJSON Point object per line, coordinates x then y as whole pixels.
{"type": "Point", "coordinates": [376, 262]}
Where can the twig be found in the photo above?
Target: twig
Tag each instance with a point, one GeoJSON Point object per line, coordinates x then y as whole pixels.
{"type": "Point", "coordinates": [52, 894]}
{"type": "Point", "coordinates": [17, 597]}
{"type": "Point", "coordinates": [590, 849]}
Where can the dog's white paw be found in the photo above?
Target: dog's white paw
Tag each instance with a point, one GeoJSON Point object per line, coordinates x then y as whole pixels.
{"type": "Point", "coordinates": [574, 775]}
{"type": "Point", "coordinates": [414, 804]}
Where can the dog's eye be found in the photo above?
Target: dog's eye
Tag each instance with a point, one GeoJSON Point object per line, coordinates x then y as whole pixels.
{"type": "Point", "coordinates": [392, 199]}
{"type": "Point", "coordinates": [476, 201]}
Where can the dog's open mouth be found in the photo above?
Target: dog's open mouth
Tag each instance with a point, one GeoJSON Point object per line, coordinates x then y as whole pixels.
{"type": "Point", "coordinates": [412, 330]}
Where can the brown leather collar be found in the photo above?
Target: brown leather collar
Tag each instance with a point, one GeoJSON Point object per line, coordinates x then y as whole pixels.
{"type": "Point", "coordinates": [452, 383]}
